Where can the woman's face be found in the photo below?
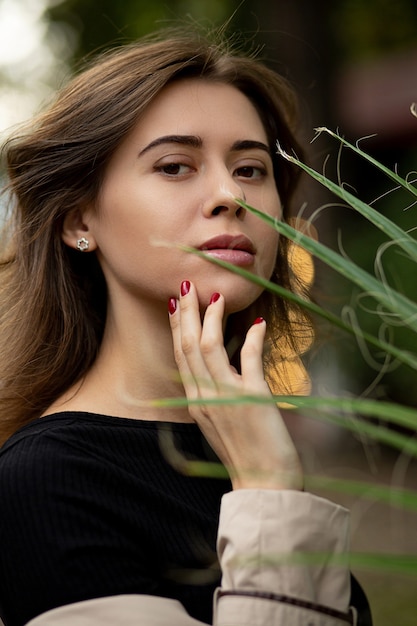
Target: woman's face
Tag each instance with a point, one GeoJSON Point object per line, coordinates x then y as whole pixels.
{"type": "Point", "coordinates": [172, 182]}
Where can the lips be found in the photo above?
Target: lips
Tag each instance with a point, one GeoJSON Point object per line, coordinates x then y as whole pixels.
{"type": "Point", "coordinates": [229, 242]}
{"type": "Point", "coordinates": [235, 249]}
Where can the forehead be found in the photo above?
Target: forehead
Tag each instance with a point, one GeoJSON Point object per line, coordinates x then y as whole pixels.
{"type": "Point", "coordinates": [201, 107]}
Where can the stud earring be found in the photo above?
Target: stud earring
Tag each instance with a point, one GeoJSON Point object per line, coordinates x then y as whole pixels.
{"type": "Point", "coordinates": [82, 244]}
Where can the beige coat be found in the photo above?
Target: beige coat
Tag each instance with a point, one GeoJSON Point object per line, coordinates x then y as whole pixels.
{"type": "Point", "coordinates": [284, 562]}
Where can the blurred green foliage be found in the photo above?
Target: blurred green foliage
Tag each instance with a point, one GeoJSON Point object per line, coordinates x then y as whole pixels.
{"type": "Point", "coordinates": [357, 28]}
{"type": "Point", "coordinates": [368, 28]}
{"type": "Point", "coordinates": [108, 23]}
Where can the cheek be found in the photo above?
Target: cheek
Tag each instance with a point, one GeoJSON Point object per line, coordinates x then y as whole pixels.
{"type": "Point", "coordinates": [273, 253]}
{"type": "Point", "coordinates": [269, 249]}
{"type": "Point", "coordinates": [270, 236]}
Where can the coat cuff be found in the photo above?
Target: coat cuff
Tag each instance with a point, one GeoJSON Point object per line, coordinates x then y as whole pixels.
{"type": "Point", "coordinates": [285, 542]}
{"type": "Point", "coordinates": [234, 610]}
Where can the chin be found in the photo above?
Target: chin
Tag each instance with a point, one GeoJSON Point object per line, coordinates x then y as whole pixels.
{"type": "Point", "coordinates": [238, 292]}
{"type": "Point", "coordinates": [238, 300]}
{"type": "Point", "coordinates": [238, 307]}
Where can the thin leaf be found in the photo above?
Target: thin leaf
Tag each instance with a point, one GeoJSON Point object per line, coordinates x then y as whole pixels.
{"type": "Point", "coordinates": [389, 228]}
{"type": "Point", "coordinates": [385, 411]}
{"type": "Point", "coordinates": [401, 182]}
{"type": "Point", "coordinates": [394, 301]}
{"type": "Point", "coordinates": [401, 355]}
{"type": "Point", "coordinates": [340, 411]}
{"type": "Point", "coordinates": [393, 496]}
{"type": "Point", "coordinates": [400, 563]}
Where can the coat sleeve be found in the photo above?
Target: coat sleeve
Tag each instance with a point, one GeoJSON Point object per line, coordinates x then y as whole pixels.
{"type": "Point", "coordinates": [284, 561]}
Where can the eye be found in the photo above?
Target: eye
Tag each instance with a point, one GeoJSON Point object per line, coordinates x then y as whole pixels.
{"type": "Point", "coordinates": [173, 169]}
{"type": "Point", "coordinates": [250, 171]}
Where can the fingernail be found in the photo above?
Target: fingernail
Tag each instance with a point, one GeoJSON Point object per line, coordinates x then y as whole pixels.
{"type": "Point", "coordinates": [259, 320]}
{"type": "Point", "coordinates": [172, 305]}
{"type": "Point", "coordinates": [214, 297]}
{"type": "Point", "coordinates": [185, 287]}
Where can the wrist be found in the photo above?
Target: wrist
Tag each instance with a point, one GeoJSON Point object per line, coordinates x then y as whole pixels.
{"type": "Point", "coordinates": [269, 479]}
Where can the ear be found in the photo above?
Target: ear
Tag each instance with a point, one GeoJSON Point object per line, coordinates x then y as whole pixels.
{"type": "Point", "coordinates": [75, 228]}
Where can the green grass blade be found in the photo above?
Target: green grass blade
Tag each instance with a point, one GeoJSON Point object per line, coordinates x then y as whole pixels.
{"type": "Point", "coordinates": [403, 356]}
{"type": "Point", "coordinates": [392, 495]}
{"type": "Point", "coordinates": [389, 494]}
{"type": "Point", "coordinates": [376, 432]}
{"type": "Point", "coordinates": [385, 411]}
{"type": "Point", "coordinates": [401, 182]}
{"type": "Point", "coordinates": [389, 228]}
{"type": "Point", "coordinates": [342, 412]}
{"type": "Point", "coordinates": [397, 303]}
{"type": "Point", "coordinates": [398, 563]}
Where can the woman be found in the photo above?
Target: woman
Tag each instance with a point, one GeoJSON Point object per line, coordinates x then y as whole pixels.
{"type": "Point", "coordinates": [143, 156]}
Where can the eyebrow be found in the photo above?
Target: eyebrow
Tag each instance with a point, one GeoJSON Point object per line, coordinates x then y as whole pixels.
{"type": "Point", "coordinates": [185, 140]}
{"type": "Point", "coordinates": [196, 142]}
{"type": "Point", "coordinates": [250, 144]}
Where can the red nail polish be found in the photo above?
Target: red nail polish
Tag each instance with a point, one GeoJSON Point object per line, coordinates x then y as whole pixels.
{"type": "Point", "coordinates": [259, 320]}
{"type": "Point", "coordinates": [172, 305]}
{"type": "Point", "coordinates": [185, 287]}
{"type": "Point", "coordinates": [214, 297]}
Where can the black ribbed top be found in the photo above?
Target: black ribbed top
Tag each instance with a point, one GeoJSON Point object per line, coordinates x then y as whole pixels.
{"type": "Point", "coordinates": [90, 507]}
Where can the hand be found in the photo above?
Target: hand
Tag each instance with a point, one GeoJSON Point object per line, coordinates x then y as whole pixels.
{"type": "Point", "coordinates": [251, 439]}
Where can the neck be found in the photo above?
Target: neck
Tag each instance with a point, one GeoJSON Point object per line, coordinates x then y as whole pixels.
{"type": "Point", "coordinates": [135, 367]}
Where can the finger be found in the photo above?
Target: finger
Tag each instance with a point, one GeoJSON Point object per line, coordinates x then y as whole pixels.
{"type": "Point", "coordinates": [251, 358]}
{"type": "Point", "coordinates": [212, 344]}
{"type": "Point", "coordinates": [190, 337]}
{"type": "Point", "coordinates": [183, 369]}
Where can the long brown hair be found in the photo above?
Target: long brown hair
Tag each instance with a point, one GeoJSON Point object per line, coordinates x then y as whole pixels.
{"type": "Point", "coordinates": [52, 299]}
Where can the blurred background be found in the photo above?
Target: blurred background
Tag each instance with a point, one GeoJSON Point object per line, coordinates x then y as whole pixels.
{"type": "Point", "coordinates": [354, 65]}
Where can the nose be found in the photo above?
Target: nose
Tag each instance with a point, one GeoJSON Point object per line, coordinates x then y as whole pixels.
{"type": "Point", "coordinates": [221, 192]}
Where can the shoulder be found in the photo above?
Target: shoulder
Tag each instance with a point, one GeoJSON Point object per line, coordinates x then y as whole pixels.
{"type": "Point", "coordinates": [38, 449]}
{"type": "Point", "coordinates": [59, 454]}
{"type": "Point", "coordinates": [66, 437]}
{"type": "Point", "coordinates": [86, 453]}
{"type": "Point", "coordinates": [61, 467]}
{"type": "Point", "coordinates": [61, 476]}
{"type": "Point", "coordinates": [33, 447]}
